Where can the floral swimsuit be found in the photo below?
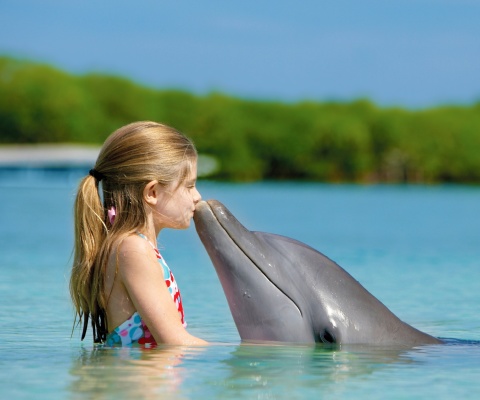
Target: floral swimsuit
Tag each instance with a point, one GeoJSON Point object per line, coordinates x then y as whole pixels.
{"type": "Point", "coordinates": [134, 330]}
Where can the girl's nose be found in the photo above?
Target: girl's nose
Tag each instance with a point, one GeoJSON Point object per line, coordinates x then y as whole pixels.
{"type": "Point", "coordinates": [197, 196]}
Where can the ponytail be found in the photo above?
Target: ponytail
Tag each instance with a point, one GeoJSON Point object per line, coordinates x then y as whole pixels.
{"type": "Point", "coordinates": [86, 284]}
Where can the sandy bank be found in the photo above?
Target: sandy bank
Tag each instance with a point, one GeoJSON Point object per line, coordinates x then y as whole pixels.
{"type": "Point", "coordinates": [71, 155]}
{"type": "Point", "coordinates": [48, 155]}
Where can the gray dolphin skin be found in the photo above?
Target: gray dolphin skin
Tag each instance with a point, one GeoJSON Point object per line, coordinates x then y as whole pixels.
{"type": "Point", "coordinates": [281, 290]}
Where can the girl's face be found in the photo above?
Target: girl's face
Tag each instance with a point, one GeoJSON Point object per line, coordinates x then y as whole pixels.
{"type": "Point", "coordinates": [176, 203]}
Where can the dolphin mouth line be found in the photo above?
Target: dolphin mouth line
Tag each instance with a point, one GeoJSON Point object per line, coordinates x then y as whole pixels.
{"type": "Point", "coordinates": [254, 263]}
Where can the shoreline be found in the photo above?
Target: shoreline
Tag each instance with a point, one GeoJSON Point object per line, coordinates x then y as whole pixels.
{"type": "Point", "coordinates": [48, 155]}
{"type": "Point", "coordinates": [66, 155]}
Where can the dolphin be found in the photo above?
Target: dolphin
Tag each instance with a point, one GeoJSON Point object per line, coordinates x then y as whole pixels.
{"type": "Point", "coordinates": [282, 290]}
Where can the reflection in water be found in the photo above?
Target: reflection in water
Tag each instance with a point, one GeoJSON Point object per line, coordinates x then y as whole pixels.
{"type": "Point", "coordinates": [232, 371]}
{"type": "Point", "coordinates": [129, 372]}
{"type": "Point", "coordinates": [279, 371]}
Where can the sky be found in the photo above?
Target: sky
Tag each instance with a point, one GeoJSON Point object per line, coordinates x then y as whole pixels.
{"type": "Point", "coordinates": [409, 53]}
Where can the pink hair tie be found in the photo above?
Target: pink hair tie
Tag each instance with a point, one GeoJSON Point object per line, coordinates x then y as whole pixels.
{"type": "Point", "coordinates": [111, 214]}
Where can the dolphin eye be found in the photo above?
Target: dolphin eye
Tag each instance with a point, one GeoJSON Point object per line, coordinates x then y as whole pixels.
{"type": "Point", "coordinates": [327, 337]}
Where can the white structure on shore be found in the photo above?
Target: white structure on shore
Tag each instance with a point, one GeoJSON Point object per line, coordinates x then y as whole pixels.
{"type": "Point", "coordinates": [48, 155]}
{"type": "Point", "coordinates": [71, 156]}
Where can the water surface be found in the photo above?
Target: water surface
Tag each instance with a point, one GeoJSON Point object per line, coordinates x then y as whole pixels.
{"type": "Point", "coordinates": [415, 248]}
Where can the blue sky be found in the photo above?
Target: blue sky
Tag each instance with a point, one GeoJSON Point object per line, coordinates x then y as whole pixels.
{"type": "Point", "coordinates": [412, 53]}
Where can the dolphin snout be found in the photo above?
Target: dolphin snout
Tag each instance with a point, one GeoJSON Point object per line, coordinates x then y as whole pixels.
{"type": "Point", "coordinates": [201, 205]}
{"type": "Point", "coordinates": [207, 206]}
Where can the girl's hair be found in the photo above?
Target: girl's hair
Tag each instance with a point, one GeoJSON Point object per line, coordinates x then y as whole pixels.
{"type": "Point", "coordinates": [131, 157]}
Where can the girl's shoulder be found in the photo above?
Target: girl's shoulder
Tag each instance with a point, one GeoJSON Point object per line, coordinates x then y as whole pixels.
{"type": "Point", "coordinates": [132, 249]}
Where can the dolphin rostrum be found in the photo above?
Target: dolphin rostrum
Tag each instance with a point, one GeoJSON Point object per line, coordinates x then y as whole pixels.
{"type": "Point", "coordinates": [281, 290]}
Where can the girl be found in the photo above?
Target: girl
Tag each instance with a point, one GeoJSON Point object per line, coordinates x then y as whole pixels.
{"type": "Point", "coordinates": [146, 173]}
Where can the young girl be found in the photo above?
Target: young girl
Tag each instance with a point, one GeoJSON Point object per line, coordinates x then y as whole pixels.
{"type": "Point", "coordinates": [146, 173]}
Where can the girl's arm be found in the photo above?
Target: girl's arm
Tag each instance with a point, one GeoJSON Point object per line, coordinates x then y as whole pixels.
{"type": "Point", "coordinates": [142, 276]}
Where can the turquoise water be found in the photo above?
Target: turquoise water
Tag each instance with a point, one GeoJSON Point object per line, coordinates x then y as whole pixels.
{"type": "Point", "coordinates": [415, 248]}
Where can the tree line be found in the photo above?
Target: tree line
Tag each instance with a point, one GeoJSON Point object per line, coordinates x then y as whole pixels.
{"type": "Point", "coordinates": [354, 141]}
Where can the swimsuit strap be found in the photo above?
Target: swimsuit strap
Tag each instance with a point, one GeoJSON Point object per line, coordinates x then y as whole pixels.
{"type": "Point", "coordinates": [151, 244]}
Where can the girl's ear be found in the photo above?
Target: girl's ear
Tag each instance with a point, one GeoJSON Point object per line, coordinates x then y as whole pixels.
{"type": "Point", "coordinates": [150, 193]}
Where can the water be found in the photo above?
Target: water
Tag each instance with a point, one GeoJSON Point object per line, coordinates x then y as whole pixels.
{"type": "Point", "coordinates": [415, 248]}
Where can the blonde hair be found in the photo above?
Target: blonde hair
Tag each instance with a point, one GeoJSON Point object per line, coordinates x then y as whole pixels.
{"type": "Point", "coordinates": [131, 157]}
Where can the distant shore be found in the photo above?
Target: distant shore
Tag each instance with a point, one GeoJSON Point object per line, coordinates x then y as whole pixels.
{"type": "Point", "coordinates": [71, 156]}
{"type": "Point", "coordinates": [48, 155]}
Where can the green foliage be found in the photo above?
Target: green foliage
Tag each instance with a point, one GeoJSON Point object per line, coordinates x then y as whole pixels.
{"type": "Point", "coordinates": [251, 140]}
{"type": "Point", "coordinates": [41, 104]}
